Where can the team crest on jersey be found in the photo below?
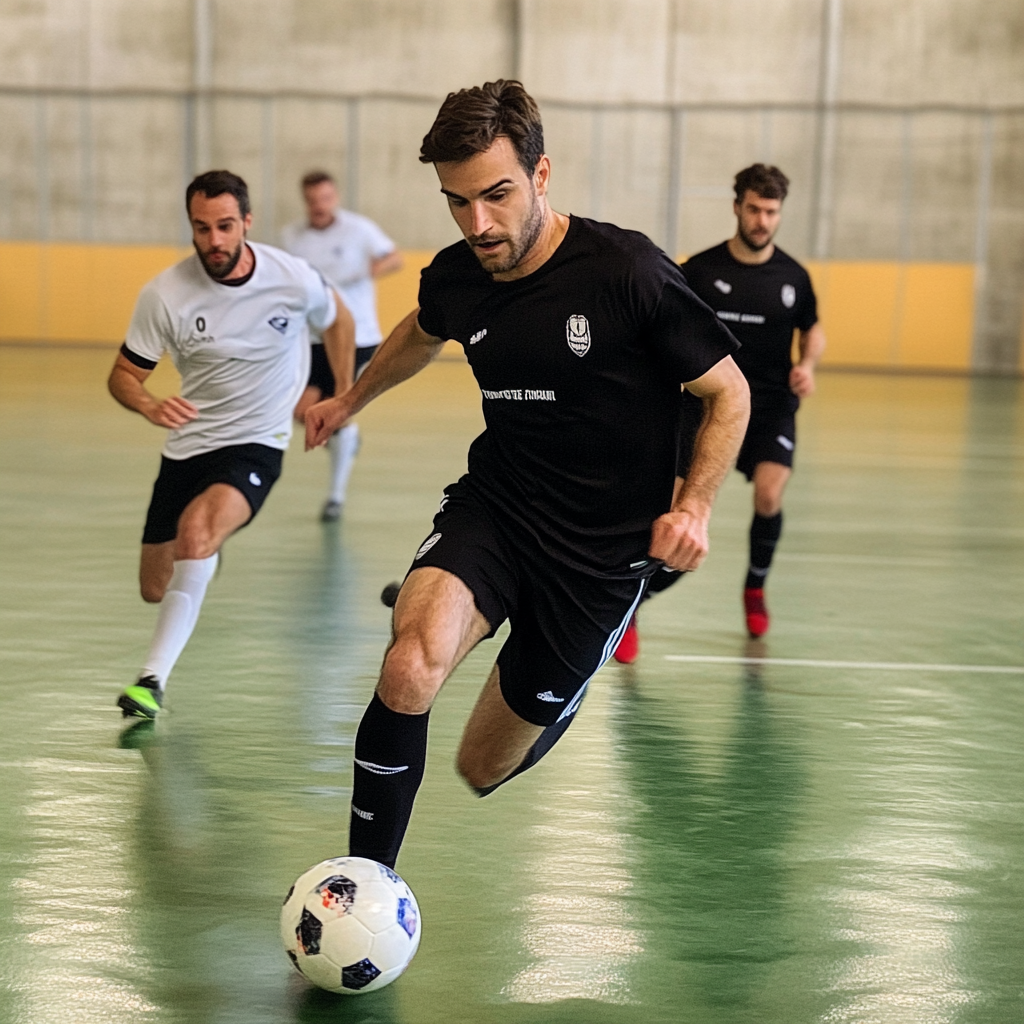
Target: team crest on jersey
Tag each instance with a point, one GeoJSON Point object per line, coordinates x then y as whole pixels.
{"type": "Point", "coordinates": [577, 333]}
{"type": "Point", "coordinates": [279, 323]}
{"type": "Point", "coordinates": [788, 296]}
{"type": "Point", "coordinates": [723, 286]}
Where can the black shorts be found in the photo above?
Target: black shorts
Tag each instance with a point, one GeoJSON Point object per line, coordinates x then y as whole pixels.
{"type": "Point", "coordinates": [250, 468]}
{"type": "Point", "coordinates": [320, 375]}
{"type": "Point", "coordinates": [565, 623]}
{"type": "Point", "coordinates": [770, 436]}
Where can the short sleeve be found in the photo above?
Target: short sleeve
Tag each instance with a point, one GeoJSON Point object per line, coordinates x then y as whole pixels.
{"type": "Point", "coordinates": [321, 310]}
{"type": "Point", "coordinates": [431, 317]}
{"type": "Point", "coordinates": [151, 331]}
{"type": "Point", "coordinates": [807, 312]}
{"type": "Point", "coordinates": [685, 333]}
{"type": "Point", "coordinates": [378, 244]}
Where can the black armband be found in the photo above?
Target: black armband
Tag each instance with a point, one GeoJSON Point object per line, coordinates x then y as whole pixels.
{"type": "Point", "coordinates": [136, 360]}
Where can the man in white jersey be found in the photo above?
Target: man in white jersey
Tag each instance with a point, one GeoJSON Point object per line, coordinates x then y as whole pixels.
{"type": "Point", "coordinates": [350, 251]}
{"type": "Point", "coordinates": [235, 319]}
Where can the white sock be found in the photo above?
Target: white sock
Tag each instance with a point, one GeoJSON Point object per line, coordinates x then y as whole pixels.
{"type": "Point", "coordinates": [343, 447]}
{"type": "Point", "coordinates": [179, 611]}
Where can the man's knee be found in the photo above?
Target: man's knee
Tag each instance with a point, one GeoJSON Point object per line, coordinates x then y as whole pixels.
{"type": "Point", "coordinates": [152, 590]}
{"type": "Point", "coordinates": [768, 504]}
{"type": "Point", "coordinates": [414, 671]}
{"type": "Point", "coordinates": [195, 540]}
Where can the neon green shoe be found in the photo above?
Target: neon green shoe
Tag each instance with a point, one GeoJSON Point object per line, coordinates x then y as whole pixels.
{"type": "Point", "coordinates": [143, 700]}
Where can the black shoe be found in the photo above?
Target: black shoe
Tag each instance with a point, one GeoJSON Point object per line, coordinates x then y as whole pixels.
{"type": "Point", "coordinates": [143, 700]}
{"type": "Point", "coordinates": [389, 595]}
{"type": "Point", "coordinates": [331, 512]}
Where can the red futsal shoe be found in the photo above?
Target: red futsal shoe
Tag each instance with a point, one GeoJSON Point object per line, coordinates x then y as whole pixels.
{"type": "Point", "coordinates": [629, 645]}
{"type": "Point", "coordinates": [757, 613]}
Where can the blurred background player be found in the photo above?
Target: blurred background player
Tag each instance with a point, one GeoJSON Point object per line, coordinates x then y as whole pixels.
{"type": "Point", "coordinates": [234, 318]}
{"type": "Point", "coordinates": [762, 295]}
{"type": "Point", "coordinates": [569, 327]}
{"type": "Point", "coordinates": [350, 251]}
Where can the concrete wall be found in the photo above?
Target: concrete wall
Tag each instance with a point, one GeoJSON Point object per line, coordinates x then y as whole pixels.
{"type": "Point", "coordinates": [867, 185]}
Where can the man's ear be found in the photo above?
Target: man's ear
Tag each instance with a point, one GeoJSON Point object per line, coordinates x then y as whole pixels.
{"type": "Point", "coordinates": [542, 175]}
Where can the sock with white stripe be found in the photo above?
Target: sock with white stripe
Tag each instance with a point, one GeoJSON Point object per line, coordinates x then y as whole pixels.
{"type": "Point", "coordinates": [391, 753]}
{"type": "Point", "coordinates": [764, 535]}
{"type": "Point", "coordinates": [343, 446]}
{"type": "Point", "coordinates": [179, 611]}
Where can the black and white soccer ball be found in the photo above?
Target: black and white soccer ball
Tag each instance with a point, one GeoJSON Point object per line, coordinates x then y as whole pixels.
{"type": "Point", "coordinates": [350, 925]}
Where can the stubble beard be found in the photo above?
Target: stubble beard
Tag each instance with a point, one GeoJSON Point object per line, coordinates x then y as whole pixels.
{"type": "Point", "coordinates": [219, 273]}
{"type": "Point", "coordinates": [752, 244]}
{"type": "Point", "coordinates": [519, 245]}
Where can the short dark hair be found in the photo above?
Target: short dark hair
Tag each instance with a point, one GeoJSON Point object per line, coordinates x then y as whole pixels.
{"type": "Point", "coordinates": [312, 178]}
{"type": "Point", "coordinates": [767, 182]}
{"type": "Point", "coordinates": [219, 183]}
{"type": "Point", "coordinates": [471, 119]}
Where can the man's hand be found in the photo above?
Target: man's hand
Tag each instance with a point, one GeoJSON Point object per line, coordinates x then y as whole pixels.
{"type": "Point", "coordinates": [680, 539]}
{"type": "Point", "coordinates": [811, 344]}
{"type": "Point", "coordinates": [324, 418]}
{"type": "Point", "coordinates": [801, 380]}
{"type": "Point", "coordinates": [172, 412]}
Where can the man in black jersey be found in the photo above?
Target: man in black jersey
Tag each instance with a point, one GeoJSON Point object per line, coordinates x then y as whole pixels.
{"type": "Point", "coordinates": [579, 335]}
{"type": "Point", "coordinates": [763, 296]}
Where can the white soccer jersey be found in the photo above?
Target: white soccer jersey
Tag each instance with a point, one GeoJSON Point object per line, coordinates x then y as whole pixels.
{"type": "Point", "coordinates": [242, 350]}
{"type": "Point", "coordinates": [344, 254]}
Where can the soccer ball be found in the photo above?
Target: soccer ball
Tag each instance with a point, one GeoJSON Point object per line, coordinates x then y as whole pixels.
{"type": "Point", "coordinates": [350, 925]}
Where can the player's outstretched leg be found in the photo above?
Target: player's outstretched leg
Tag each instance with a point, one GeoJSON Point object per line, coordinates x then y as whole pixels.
{"type": "Point", "coordinates": [204, 525]}
{"type": "Point", "coordinates": [436, 625]}
{"type": "Point", "coordinates": [179, 611]}
{"type": "Point", "coordinates": [553, 643]}
{"type": "Point", "coordinates": [497, 744]}
{"type": "Point", "coordinates": [342, 448]}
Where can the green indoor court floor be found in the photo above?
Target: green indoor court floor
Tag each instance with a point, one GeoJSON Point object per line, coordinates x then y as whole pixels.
{"type": "Point", "coordinates": [832, 836]}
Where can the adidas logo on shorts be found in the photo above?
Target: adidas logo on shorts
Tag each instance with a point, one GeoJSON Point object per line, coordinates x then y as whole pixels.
{"type": "Point", "coordinates": [255, 480]}
{"type": "Point", "coordinates": [548, 696]}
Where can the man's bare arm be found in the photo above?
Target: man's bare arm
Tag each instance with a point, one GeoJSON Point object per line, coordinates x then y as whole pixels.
{"type": "Point", "coordinates": [340, 346]}
{"type": "Point", "coordinates": [126, 384]}
{"type": "Point", "coordinates": [388, 264]}
{"type": "Point", "coordinates": [406, 351]}
{"type": "Point", "coordinates": [811, 345]}
{"type": "Point", "coordinates": [680, 537]}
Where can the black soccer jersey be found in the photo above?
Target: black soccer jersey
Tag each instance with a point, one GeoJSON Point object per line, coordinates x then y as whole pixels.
{"type": "Point", "coordinates": [761, 304]}
{"type": "Point", "coordinates": [579, 365]}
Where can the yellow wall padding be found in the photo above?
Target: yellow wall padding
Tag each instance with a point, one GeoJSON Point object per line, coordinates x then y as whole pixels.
{"type": "Point", "coordinates": [875, 314]}
{"type": "Point", "coordinates": [74, 292]}
{"type": "Point", "coordinates": [899, 315]}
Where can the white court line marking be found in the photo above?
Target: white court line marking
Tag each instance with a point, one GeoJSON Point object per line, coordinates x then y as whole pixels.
{"type": "Point", "coordinates": [894, 666]}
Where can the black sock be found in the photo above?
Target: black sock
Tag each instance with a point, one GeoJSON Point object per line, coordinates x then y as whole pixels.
{"type": "Point", "coordinates": [391, 751]}
{"type": "Point", "coordinates": [764, 535]}
{"type": "Point", "coordinates": [662, 580]}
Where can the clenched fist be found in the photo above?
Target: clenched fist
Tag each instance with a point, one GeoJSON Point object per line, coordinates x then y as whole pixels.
{"type": "Point", "coordinates": [680, 539]}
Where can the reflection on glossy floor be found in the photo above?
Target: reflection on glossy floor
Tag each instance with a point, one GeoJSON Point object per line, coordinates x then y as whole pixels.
{"type": "Point", "coordinates": [713, 843]}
